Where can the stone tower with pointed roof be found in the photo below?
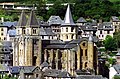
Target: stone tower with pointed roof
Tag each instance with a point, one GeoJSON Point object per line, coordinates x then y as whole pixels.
{"type": "Point", "coordinates": [68, 27]}
{"type": "Point", "coordinates": [27, 42]}
{"type": "Point", "coordinates": [90, 52]}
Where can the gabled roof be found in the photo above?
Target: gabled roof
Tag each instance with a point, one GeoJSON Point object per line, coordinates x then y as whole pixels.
{"type": "Point", "coordinates": [68, 20]}
{"type": "Point", "coordinates": [54, 20]}
{"type": "Point", "coordinates": [22, 20]}
{"type": "Point", "coordinates": [32, 21]}
{"type": "Point", "coordinates": [81, 20]}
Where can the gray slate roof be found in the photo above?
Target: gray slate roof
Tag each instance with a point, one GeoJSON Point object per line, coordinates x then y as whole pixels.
{"type": "Point", "coordinates": [22, 20]}
{"type": "Point", "coordinates": [105, 26]}
{"type": "Point", "coordinates": [44, 64]}
{"type": "Point", "coordinates": [81, 20]}
{"type": "Point", "coordinates": [9, 24]}
{"type": "Point", "coordinates": [56, 73]}
{"type": "Point", "coordinates": [89, 27]}
{"type": "Point", "coordinates": [68, 20]}
{"type": "Point", "coordinates": [65, 45]}
{"type": "Point", "coordinates": [54, 20]}
{"type": "Point", "coordinates": [117, 68]}
{"type": "Point", "coordinates": [89, 77]}
{"type": "Point", "coordinates": [115, 19]}
{"type": "Point", "coordinates": [16, 69]}
{"type": "Point", "coordinates": [46, 31]}
{"type": "Point", "coordinates": [32, 21]}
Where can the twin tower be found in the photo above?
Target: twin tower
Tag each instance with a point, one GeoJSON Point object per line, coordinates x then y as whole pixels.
{"type": "Point", "coordinates": [27, 42]}
{"type": "Point", "coordinates": [31, 50]}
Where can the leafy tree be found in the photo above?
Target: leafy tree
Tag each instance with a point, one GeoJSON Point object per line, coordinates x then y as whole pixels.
{"type": "Point", "coordinates": [116, 77]}
{"type": "Point", "coordinates": [117, 39]}
{"type": "Point", "coordinates": [109, 43]}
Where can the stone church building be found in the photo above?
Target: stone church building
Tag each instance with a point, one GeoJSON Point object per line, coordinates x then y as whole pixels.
{"type": "Point", "coordinates": [70, 53]}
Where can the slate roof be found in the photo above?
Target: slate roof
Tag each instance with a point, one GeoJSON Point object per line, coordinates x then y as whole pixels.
{"type": "Point", "coordinates": [117, 68]}
{"type": "Point", "coordinates": [105, 26]}
{"type": "Point", "coordinates": [32, 21]}
{"type": "Point", "coordinates": [46, 31]}
{"type": "Point", "coordinates": [115, 19]}
{"type": "Point", "coordinates": [54, 20]}
{"type": "Point", "coordinates": [16, 69]}
{"type": "Point", "coordinates": [68, 20]}
{"type": "Point", "coordinates": [9, 24]}
{"type": "Point", "coordinates": [88, 28]}
{"type": "Point", "coordinates": [66, 45]}
{"type": "Point", "coordinates": [56, 73]}
{"type": "Point", "coordinates": [22, 20]}
{"type": "Point", "coordinates": [44, 64]}
{"type": "Point", "coordinates": [89, 77]}
{"type": "Point", "coordinates": [81, 20]}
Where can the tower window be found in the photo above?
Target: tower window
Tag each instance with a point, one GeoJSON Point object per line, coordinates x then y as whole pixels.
{"type": "Point", "coordinates": [23, 31]}
{"type": "Point", "coordinates": [85, 64]}
{"type": "Point", "coordinates": [101, 32]}
{"type": "Point", "coordinates": [66, 36]}
{"type": "Point", "coordinates": [72, 36]}
{"type": "Point", "coordinates": [86, 52]}
{"type": "Point", "coordinates": [72, 29]}
{"type": "Point", "coordinates": [1, 29]}
{"type": "Point", "coordinates": [1, 33]}
{"type": "Point", "coordinates": [34, 31]}
{"type": "Point", "coordinates": [4, 38]}
{"type": "Point", "coordinates": [66, 29]}
{"type": "Point", "coordinates": [18, 31]}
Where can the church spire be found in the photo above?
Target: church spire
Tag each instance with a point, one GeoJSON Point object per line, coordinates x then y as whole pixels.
{"type": "Point", "coordinates": [22, 20]}
{"type": "Point", "coordinates": [32, 21]}
{"type": "Point", "coordinates": [68, 20]}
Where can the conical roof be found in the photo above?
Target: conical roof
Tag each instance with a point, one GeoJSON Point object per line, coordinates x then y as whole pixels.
{"type": "Point", "coordinates": [68, 20]}
{"type": "Point", "coordinates": [22, 20]}
{"type": "Point", "coordinates": [32, 21]}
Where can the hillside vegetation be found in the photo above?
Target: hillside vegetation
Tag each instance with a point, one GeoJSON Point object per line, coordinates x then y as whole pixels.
{"type": "Point", "coordinates": [89, 9]}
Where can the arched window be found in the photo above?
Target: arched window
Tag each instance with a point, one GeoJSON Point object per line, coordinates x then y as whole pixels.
{"type": "Point", "coordinates": [66, 36]}
{"type": "Point", "coordinates": [72, 37]}
{"type": "Point", "coordinates": [86, 52]}
{"type": "Point", "coordinates": [85, 64]}
{"type": "Point", "coordinates": [72, 29]}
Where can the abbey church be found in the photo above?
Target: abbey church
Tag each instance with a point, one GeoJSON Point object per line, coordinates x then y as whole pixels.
{"type": "Point", "coordinates": [34, 44]}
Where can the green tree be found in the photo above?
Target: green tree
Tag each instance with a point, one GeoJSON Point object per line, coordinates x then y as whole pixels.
{"type": "Point", "coordinates": [117, 39]}
{"type": "Point", "coordinates": [116, 77]}
{"type": "Point", "coordinates": [110, 43]}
